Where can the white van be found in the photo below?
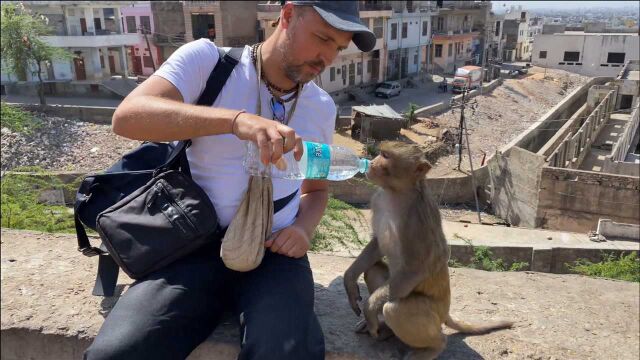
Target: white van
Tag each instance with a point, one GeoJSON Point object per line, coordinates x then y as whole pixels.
{"type": "Point", "coordinates": [389, 89]}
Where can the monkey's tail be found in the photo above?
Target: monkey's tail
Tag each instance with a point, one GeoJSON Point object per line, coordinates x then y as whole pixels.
{"type": "Point", "coordinates": [476, 329]}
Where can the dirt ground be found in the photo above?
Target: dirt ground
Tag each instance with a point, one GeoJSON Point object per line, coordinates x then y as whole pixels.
{"type": "Point", "coordinates": [46, 287]}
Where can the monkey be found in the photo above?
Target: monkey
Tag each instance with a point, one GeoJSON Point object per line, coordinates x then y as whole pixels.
{"type": "Point", "coordinates": [411, 289]}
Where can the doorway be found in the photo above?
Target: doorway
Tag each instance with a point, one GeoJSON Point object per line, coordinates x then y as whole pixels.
{"type": "Point", "coordinates": [83, 26]}
{"type": "Point", "coordinates": [78, 64]}
{"type": "Point", "coordinates": [112, 64]}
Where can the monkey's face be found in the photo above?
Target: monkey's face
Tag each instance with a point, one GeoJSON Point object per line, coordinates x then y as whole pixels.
{"type": "Point", "coordinates": [398, 166]}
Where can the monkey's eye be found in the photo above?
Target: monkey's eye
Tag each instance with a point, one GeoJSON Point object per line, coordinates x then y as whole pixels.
{"type": "Point", "coordinates": [384, 155]}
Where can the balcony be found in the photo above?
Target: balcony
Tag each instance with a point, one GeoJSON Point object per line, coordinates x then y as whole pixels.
{"type": "Point", "coordinates": [163, 40]}
{"type": "Point", "coordinates": [94, 41]}
{"type": "Point", "coordinates": [366, 6]}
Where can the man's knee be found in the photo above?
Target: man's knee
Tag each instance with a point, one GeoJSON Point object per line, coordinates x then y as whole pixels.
{"type": "Point", "coordinates": [101, 350]}
{"type": "Point", "coordinates": [284, 341]}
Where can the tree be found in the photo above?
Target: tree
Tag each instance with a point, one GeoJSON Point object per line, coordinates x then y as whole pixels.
{"type": "Point", "coordinates": [21, 45]}
{"type": "Point", "coordinates": [410, 114]}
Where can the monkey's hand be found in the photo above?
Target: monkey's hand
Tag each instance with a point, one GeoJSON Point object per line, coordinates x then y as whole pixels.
{"type": "Point", "coordinates": [353, 292]}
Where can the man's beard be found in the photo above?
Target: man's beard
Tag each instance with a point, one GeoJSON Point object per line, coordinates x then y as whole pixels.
{"type": "Point", "coordinates": [296, 72]}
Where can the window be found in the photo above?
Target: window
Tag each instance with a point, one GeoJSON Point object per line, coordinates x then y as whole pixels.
{"type": "Point", "coordinates": [571, 56]}
{"type": "Point", "coordinates": [497, 28]}
{"type": "Point", "coordinates": [145, 24]}
{"type": "Point", "coordinates": [377, 27]}
{"type": "Point", "coordinates": [440, 24]}
{"type": "Point", "coordinates": [425, 28]}
{"type": "Point", "coordinates": [359, 69]}
{"type": "Point", "coordinates": [332, 74]}
{"type": "Point", "coordinates": [394, 31]}
{"type": "Point", "coordinates": [146, 60]}
{"type": "Point", "coordinates": [543, 55]}
{"type": "Point", "coordinates": [404, 30]}
{"type": "Point", "coordinates": [450, 50]}
{"type": "Point", "coordinates": [415, 58]}
{"type": "Point", "coordinates": [131, 24]}
{"type": "Point", "coordinates": [369, 66]}
{"type": "Point", "coordinates": [438, 50]}
{"type": "Point", "coordinates": [521, 32]}
{"type": "Point", "coordinates": [615, 58]}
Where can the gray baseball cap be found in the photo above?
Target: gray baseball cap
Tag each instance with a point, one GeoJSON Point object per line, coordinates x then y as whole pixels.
{"type": "Point", "coordinates": [345, 16]}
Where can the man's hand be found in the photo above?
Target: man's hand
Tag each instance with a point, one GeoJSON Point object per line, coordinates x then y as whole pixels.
{"type": "Point", "coordinates": [273, 138]}
{"type": "Point", "coordinates": [291, 241]}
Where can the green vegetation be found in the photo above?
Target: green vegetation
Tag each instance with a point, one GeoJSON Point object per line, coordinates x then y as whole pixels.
{"type": "Point", "coordinates": [21, 210]}
{"type": "Point", "coordinates": [483, 259]}
{"type": "Point", "coordinates": [18, 120]}
{"type": "Point", "coordinates": [624, 267]}
{"type": "Point", "coordinates": [336, 227]}
{"type": "Point", "coordinates": [411, 114]}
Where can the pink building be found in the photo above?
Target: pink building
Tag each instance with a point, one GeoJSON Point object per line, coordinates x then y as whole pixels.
{"type": "Point", "coordinates": [137, 18]}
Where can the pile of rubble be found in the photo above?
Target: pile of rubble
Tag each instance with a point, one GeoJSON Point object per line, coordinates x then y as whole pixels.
{"type": "Point", "coordinates": [64, 145]}
{"type": "Point", "coordinates": [504, 113]}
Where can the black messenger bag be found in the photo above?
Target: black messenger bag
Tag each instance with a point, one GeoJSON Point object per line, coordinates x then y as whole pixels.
{"type": "Point", "coordinates": [146, 208]}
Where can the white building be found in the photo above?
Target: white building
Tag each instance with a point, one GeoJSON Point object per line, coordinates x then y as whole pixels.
{"type": "Point", "coordinates": [591, 54]}
{"type": "Point", "coordinates": [408, 38]}
{"type": "Point", "coordinates": [92, 32]}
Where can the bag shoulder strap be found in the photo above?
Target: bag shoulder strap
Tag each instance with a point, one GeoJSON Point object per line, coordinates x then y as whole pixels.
{"type": "Point", "coordinates": [107, 275]}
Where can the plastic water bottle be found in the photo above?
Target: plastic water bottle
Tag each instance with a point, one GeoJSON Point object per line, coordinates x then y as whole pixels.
{"type": "Point", "coordinates": [319, 161]}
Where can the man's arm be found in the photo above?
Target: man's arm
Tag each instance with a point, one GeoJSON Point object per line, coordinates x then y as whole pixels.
{"type": "Point", "coordinates": [155, 111]}
{"type": "Point", "coordinates": [295, 240]}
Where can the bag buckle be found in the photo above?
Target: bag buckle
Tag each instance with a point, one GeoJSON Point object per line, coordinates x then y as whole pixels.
{"type": "Point", "coordinates": [90, 251]}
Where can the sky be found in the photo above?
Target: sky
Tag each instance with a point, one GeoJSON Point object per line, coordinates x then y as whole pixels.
{"type": "Point", "coordinates": [562, 5]}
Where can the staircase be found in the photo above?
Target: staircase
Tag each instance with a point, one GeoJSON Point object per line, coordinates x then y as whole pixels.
{"type": "Point", "coordinates": [119, 85]}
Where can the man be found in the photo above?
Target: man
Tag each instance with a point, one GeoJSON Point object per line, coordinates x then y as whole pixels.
{"type": "Point", "coordinates": [211, 32]}
{"type": "Point", "coordinates": [169, 313]}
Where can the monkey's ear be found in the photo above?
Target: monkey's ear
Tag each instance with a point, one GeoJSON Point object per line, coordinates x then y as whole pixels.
{"type": "Point", "coordinates": [423, 168]}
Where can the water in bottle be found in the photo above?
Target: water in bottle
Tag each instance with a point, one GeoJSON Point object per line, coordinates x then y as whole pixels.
{"type": "Point", "coordinates": [319, 161]}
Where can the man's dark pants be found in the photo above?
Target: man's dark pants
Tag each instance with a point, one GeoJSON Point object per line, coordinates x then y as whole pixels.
{"type": "Point", "coordinates": [169, 313]}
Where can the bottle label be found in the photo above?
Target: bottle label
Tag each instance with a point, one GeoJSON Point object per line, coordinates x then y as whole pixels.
{"type": "Point", "coordinates": [318, 160]}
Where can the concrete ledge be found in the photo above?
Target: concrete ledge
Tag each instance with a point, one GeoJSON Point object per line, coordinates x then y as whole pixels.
{"type": "Point", "coordinates": [49, 313]}
{"type": "Point", "coordinates": [444, 106]}
{"type": "Point", "coordinates": [92, 114]}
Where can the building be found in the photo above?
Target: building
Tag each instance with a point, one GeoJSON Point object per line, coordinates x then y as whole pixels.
{"type": "Point", "coordinates": [92, 32]}
{"type": "Point", "coordinates": [592, 51]}
{"type": "Point", "coordinates": [516, 28]}
{"type": "Point", "coordinates": [144, 57]}
{"type": "Point", "coordinates": [458, 30]}
{"type": "Point", "coordinates": [375, 123]}
{"type": "Point", "coordinates": [408, 38]}
{"type": "Point", "coordinates": [169, 28]}
{"type": "Point", "coordinates": [578, 164]}
{"type": "Point", "coordinates": [496, 38]}
{"type": "Point", "coordinates": [228, 23]}
{"type": "Point", "coordinates": [352, 69]}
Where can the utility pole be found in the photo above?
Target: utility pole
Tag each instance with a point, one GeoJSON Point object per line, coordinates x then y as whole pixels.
{"type": "Point", "coordinates": [463, 129]}
{"type": "Point", "coordinates": [484, 47]}
{"type": "Point", "coordinates": [461, 126]}
{"type": "Point", "coordinates": [144, 32]}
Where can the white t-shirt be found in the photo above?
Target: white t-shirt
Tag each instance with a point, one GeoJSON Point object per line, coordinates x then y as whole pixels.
{"type": "Point", "coordinates": [216, 161]}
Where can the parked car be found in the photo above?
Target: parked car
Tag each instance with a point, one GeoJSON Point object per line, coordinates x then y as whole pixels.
{"type": "Point", "coordinates": [466, 77]}
{"type": "Point", "coordinates": [388, 89]}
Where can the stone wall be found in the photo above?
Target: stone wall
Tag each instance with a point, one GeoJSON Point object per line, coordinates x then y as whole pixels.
{"type": "Point", "coordinates": [92, 114]}
{"type": "Point", "coordinates": [574, 200]}
{"type": "Point", "coordinates": [61, 88]}
{"type": "Point", "coordinates": [444, 106]}
{"type": "Point", "coordinates": [514, 183]}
